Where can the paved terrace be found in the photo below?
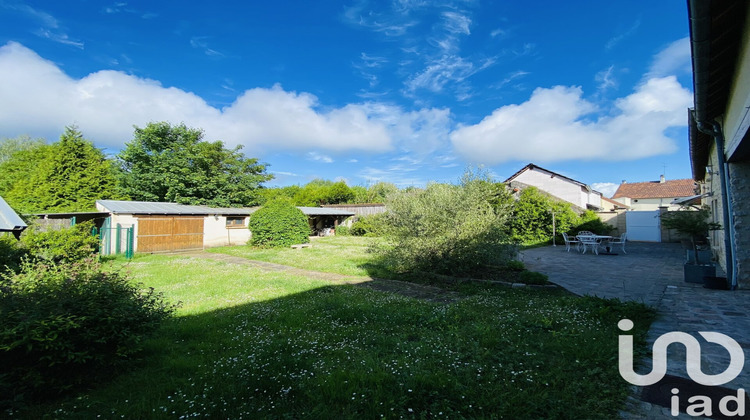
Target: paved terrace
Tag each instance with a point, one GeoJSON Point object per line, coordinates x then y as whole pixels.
{"type": "Point", "coordinates": [652, 273]}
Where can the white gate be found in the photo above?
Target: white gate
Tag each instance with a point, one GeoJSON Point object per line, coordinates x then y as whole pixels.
{"type": "Point", "coordinates": [643, 226]}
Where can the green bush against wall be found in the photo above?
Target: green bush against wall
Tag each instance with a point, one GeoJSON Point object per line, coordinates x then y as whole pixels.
{"type": "Point", "coordinates": [277, 224]}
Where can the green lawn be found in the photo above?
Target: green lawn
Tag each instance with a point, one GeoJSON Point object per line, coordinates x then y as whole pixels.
{"type": "Point", "coordinates": [254, 344]}
{"type": "Point", "coordinates": [332, 254]}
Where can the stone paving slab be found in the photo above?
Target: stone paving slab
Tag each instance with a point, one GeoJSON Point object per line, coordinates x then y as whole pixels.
{"type": "Point", "coordinates": [652, 273]}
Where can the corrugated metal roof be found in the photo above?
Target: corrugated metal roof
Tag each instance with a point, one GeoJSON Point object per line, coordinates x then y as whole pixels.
{"type": "Point", "coordinates": [145, 207]}
{"type": "Point", "coordinates": [9, 219]}
{"type": "Point", "coordinates": [324, 211]}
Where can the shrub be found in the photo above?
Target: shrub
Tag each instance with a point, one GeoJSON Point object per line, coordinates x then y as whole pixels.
{"type": "Point", "coordinates": [69, 244]}
{"type": "Point", "coordinates": [343, 230]}
{"type": "Point", "coordinates": [278, 224]}
{"type": "Point", "coordinates": [532, 277]}
{"type": "Point", "coordinates": [11, 253]}
{"type": "Point", "coordinates": [366, 226]}
{"type": "Point", "coordinates": [63, 325]}
{"type": "Point", "coordinates": [591, 222]}
{"type": "Point", "coordinates": [446, 229]}
{"type": "Point", "coordinates": [532, 217]}
{"type": "Point", "coordinates": [515, 265]}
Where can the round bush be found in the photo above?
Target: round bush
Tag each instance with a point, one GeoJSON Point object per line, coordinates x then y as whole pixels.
{"type": "Point", "coordinates": [279, 224]}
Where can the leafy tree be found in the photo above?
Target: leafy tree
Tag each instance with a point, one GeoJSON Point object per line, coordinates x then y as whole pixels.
{"type": "Point", "coordinates": [9, 146]}
{"type": "Point", "coordinates": [532, 217]}
{"type": "Point", "coordinates": [360, 194]}
{"type": "Point", "coordinates": [269, 194]}
{"type": "Point", "coordinates": [338, 193]}
{"type": "Point", "coordinates": [19, 174]}
{"type": "Point", "coordinates": [446, 229]}
{"type": "Point", "coordinates": [532, 220]}
{"type": "Point", "coordinates": [322, 191]}
{"type": "Point", "coordinates": [69, 175]}
{"type": "Point", "coordinates": [313, 194]}
{"type": "Point", "coordinates": [380, 191]}
{"type": "Point", "coordinates": [174, 163]}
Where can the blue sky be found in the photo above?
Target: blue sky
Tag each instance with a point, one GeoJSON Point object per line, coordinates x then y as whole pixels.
{"type": "Point", "coordinates": [402, 91]}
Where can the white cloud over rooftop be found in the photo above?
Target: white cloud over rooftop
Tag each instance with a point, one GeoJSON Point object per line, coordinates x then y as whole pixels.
{"type": "Point", "coordinates": [558, 124]}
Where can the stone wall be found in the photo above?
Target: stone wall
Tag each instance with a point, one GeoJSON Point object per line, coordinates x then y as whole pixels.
{"type": "Point", "coordinates": [740, 196]}
{"type": "Point", "coordinates": [615, 219]}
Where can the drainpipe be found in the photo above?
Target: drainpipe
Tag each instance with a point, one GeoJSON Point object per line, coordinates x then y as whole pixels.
{"type": "Point", "coordinates": [713, 129]}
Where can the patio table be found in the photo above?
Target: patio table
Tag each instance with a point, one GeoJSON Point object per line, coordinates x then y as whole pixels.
{"type": "Point", "coordinates": [600, 239]}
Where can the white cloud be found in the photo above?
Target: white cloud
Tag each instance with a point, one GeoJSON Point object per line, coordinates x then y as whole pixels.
{"type": "Point", "coordinates": [58, 37]}
{"type": "Point", "coordinates": [317, 157]}
{"type": "Point", "coordinates": [45, 18]}
{"type": "Point", "coordinates": [619, 38]}
{"type": "Point", "coordinates": [39, 99]}
{"type": "Point", "coordinates": [605, 79]}
{"type": "Point", "coordinates": [606, 188]}
{"type": "Point", "coordinates": [558, 124]}
{"type": "Point", "coordinates": [50, 26]}
{"type": "Point", "coordinates": [674, 59]}
{"type": "Point", "coordinates": [201, 43]}
{"type": "Point", "coordinates": [448, 69]}
{"type": "Point", "coordinates": [456, 23]}
{"type": "Point", "coordinates": [498, 33]}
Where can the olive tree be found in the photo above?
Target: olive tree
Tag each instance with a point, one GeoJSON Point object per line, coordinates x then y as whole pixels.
{"type": "Point", "coordinates": [448, 229]}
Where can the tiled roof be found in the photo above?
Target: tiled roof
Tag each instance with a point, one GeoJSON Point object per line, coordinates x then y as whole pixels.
{"type": "Point", "coordinates": [656, 189]}
{"type": "Point", "coordinates": [615, 203]}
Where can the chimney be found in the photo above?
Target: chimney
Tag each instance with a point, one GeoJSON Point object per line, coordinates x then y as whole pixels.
{"type": "Point", "coordinates": [623, 181]}
{"type": "Point", "coordinates": [662, 179]}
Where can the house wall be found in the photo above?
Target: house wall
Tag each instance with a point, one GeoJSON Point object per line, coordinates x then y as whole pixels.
{"type": "Point", "coordinates": [125, 220]}
{"type": "Point", "coordinates": [712, 186]}
{"type": "Point", "coordinates": [216, 232]}
{"type": "Point", "coordinates": [737, 118]}
{"type": "Point", "coordinates": [558, 187]}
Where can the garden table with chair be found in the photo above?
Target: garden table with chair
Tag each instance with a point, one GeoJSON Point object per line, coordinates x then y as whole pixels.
{"type": "Point", "coordinates": [591, 240]}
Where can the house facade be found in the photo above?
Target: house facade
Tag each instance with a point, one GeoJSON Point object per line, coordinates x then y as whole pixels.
{"type": "Point", "coordinates": [560, 186]}
{"type": "Point", "coordinates": [649, 196]}
{"type": "Point", "coordinates": [718, 126]}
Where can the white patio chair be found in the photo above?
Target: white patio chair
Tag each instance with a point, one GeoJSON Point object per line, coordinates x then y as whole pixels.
{"type": "Point", "coordinates": [621, 240]}
{"type": "Point", "coordinates": [569, 240]}
{"type": "Point", "coordinates": [589, 242]}
{"type": "Point", "coordinates": [585, 233]}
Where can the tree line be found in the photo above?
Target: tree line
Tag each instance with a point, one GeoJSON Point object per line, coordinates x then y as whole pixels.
{"type": "Point", "coordinates": [163, 162]}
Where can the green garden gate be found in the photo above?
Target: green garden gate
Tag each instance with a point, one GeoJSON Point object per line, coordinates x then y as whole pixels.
{"type": "Point", "coordinates": [117, 240]}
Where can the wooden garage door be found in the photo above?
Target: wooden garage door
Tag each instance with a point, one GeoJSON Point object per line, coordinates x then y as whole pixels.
{"type": "Point", "coordinates": [169, 233]}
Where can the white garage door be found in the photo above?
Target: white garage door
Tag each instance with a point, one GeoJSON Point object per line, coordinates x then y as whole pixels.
{"type": "Point", "coordinates": [643, 226]}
